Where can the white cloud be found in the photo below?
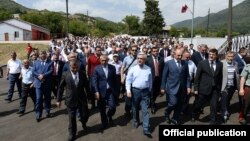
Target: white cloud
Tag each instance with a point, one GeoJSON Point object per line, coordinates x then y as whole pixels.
{"type": "Point", "coordinates": [116, 10]}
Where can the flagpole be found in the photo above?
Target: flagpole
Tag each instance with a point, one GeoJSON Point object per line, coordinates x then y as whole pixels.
{"type": "Point", "coordinates": [192, 29]}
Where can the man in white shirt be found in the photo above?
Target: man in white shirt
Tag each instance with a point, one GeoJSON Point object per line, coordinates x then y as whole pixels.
{"type": "Point", "coordinates": [14, 66]}
{"type": "Point", "coordinates": [27, 86]}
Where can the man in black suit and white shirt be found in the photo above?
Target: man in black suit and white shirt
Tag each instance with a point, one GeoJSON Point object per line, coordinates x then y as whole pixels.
{"type": "Point", "coordinates": [75, 98]}
{"type": "Point", "coordinates": [207, 85]}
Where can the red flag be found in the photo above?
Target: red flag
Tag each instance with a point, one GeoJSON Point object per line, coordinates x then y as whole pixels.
{"type": "Point", "coordinates": [184, 8]}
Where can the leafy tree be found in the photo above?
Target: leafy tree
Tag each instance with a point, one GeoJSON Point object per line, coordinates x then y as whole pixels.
{"type": "Point", "coordinates": [133, 25]}
{"type": "Point", "coordinates": [173, 32]}
{"type": "Point", "coordinates": [4, 15]}
{"type": "Point", "coordinates": [153, 21]}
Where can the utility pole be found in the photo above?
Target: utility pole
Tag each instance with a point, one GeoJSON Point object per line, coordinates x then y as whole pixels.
{"type": "Point", "coordinates": [67, 19]}
{"type": "Point", "coordinates": [229, 28]}
{"type": "Point", "coordinates": [208, 20]}
{"type": "Point", "coordinates": [192, 30]}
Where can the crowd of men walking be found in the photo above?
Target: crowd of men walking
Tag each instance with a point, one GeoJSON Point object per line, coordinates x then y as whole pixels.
{"type": "Point", "coordinates": [101, 71]}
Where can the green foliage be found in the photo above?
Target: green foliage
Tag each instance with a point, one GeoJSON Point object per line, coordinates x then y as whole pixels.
{"type": "Point", "coordinates": [133, 25]}
{"type": "Point", "coordinates": [4, 14]}
{"type": "Point", "coordinates": [153, 21]}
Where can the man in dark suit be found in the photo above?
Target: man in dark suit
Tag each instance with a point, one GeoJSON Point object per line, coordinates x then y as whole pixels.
{"type": "Point", "coordinates": [156, 64]}
{"type": "Point", "coordinates": [42, 71]}
{"type": "Point", "coordinates": [201, 55]}
{"type": "Point", "coordinates": [207, 85]}
{"type": "Point", "coordinates": [165, 52]}
{"type": "Point", "coordinates": [176, 84]}
{"type": "Point", "coordinates": [191, 49]}
{"type": "Point", "coordinates": [239, 58]}
{"type": "Point", "coordinates": [105, 84]}
{"type": "Point", "coordinates": [57, 73]}
{"type": "Point", "coordinates": [76, 98]}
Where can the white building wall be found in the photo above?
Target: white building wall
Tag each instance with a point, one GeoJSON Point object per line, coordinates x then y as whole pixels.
{"type": "Point", "coordinates": [5, 28]}
{"type": "Point", "coordinates": [20, 24]}
{"type": "Point", "coordinates": [211, 42]}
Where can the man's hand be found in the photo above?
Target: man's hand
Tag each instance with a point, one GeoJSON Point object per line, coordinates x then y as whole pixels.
{"type": "Point", "coordinates": [129, 95]}
{"type": "Point", "coordinates": [58, 104]}
{"type": "Point", "coordinates": [97, 96]}
{"type": "Point", "coordinates": [188, 90]}
{"type": "Point", "coordinates": [196, 92]}
{"type": "Point", "coordinates": [40, 77]}
{"type": "Point", "coordinates": [241, 93]}
{"type": "Point", "coordinates": [32, 85]}
{"type": "Point", "coordinates": [162, 92]}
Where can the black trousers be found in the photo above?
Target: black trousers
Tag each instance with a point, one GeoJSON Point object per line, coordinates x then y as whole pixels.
{"type": "Point", "coordinates": [84, 116]}
{"type": "Point", "coordinates": [55, 85]}
{"type": "Point", "coordinates": [155, 91]}
{"type": "Point", "coordinates": [26, 91]}
{"type": "Point", "coordinates": [201, 101]}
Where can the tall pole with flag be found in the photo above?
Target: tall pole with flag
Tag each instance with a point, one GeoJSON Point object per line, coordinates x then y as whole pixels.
{"type": "Point", "coordinates": [183, 10]}
{"type": "Point", "coordinates": [192, 30]}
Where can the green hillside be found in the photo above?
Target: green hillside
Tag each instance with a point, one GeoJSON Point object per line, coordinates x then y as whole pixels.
{"type": "Point", "coordinates": [241, 19]}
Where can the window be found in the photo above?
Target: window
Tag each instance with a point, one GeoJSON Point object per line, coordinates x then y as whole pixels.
{"type": "Point", "coordinates": [16, 34]}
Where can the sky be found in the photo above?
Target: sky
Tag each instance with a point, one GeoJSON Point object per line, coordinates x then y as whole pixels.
{"type": "Point", "coordinates": [116, 10]}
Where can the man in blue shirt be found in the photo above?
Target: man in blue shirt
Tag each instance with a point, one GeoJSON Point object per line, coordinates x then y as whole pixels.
{"type": "Point", "coordinates": [140, 78]}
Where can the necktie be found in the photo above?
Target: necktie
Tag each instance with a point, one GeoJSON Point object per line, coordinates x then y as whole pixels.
{"type": "Point", "coordinates": [179, 65]}
{"type": "Point", "coordinates": [156, 66]}
{"type": "Point", "coordinates": [55, 68]}
{"type": "Point", "coordinates": [212, 66]}
{"type": "Point", "coordinates": [76, 80]}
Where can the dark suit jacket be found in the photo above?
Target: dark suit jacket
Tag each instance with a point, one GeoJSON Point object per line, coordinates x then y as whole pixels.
{"type": "Point", "coordinates": [241, 64]}
{"type": "Point", "coordinates": [196, 57]}
{"type": "Point", "coordinates": [46, 71]}
{"type": "Point", "coordinates": [204, 78]}
{"type": "Point", "coordinates": [75, 95]}
{"type": "Point", "coordinates": [161, 53]}
{"type": "Point", "coordinates": [60, 69]}
{"type": "Point", "coordinates": [100, 80]}
{"type": "Point", "coordinates": [150, 62]}
{"type": "Point", "coordinates": [174, 79]}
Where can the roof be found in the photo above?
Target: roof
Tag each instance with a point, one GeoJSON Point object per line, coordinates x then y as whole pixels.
{"type": "Point", "coordinates": [16, 25]}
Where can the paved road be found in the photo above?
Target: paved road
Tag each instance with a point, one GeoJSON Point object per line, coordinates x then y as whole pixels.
{"type": "Point", "coordinates": [15, 128]}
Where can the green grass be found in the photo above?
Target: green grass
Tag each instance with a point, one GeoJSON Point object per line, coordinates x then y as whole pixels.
{"type": "Point", "coordinates": [20, 49]}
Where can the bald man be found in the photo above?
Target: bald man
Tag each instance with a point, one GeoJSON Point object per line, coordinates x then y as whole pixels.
{"type": "Point", "coordinates": [176, 84]}
{"type": "Point", "coordinates": [27, 86]}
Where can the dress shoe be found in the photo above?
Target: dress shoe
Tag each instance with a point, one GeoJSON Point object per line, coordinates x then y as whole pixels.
{"type": "Point", "coordinates": [48, 115]}
{"type": "Point", "coordinates": [225, 118]}
{"type": "Point", "coordinates": [168, 120]}
{"type": "Point", "coordinates": [153, 110]}
{"type": "Point", "coordinates": [38, 119]}
{"type": "Point", "coordinates": [136, 124]}
{"type": "Point", "coordinates": [175, 122]}
{"type": "Point", "coordinates": [111, 122]}
{"type": "Point", "coordinates": [8, 100]}
{"type": "Point", "coordinates": [147, 133]}
{"type": "Point", "coordinates": [84, 127]}
{"type": "Point", "coordinates": [243, 121]}
{"type": "Point", "coordinates": [71, 138]}
{"type": "Point", "coordinates": [20, 112]}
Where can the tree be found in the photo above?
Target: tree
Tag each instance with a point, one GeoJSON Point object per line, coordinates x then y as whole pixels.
{"type": "Point", "coordinates": [4, 14]}
{"type": "Point", "coordinates": [133, 25]}
{"type": "Point", "coordinates": [153, 21]}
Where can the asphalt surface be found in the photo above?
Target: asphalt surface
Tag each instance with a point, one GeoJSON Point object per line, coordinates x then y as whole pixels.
{"type": "Point", "coordinates": [25, 128]}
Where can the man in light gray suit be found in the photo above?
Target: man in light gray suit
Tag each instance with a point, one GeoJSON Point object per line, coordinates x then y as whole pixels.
{"type": "Point", "coordinates": [230, 83]}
